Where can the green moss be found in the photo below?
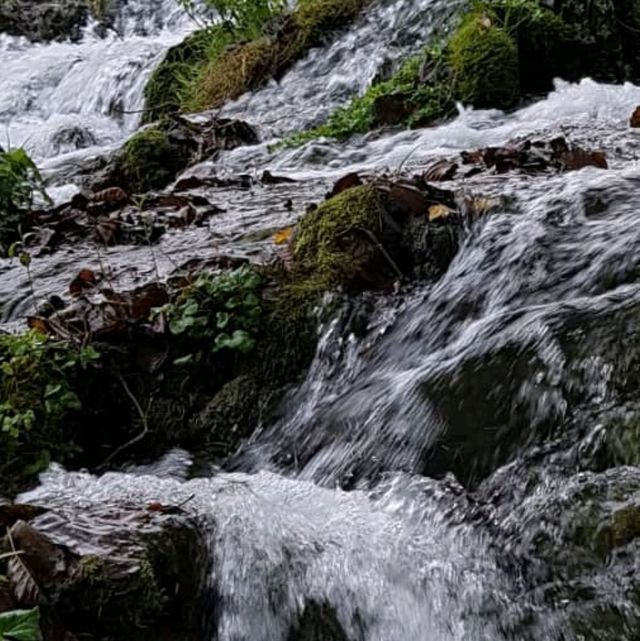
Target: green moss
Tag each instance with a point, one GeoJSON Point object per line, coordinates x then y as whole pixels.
{"type": "Point", "coordinates": [314, 20]}
{"type": "Point", "coordinates": [484, 63]}
{"type": "Point", "coordinates": [236, 72]}
{"type": "Point", "coordinates": [149, 160]}
{"type": "Point", "coordinates": [325, 239]}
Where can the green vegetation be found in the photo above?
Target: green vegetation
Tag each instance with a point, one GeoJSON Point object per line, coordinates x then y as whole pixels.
{"type": "Point", "coordinates": [37, 398]}
{"type": "Point", "coordinates": [257, 40]}
{"type": "Point", "coordinates": [20, 625]}
{"type": "Point", "coordinates": [20, 181]}
{"type": "Point", "coordinates": [500, 50]}
{"type": "Point", "coordinates": [219, 312]}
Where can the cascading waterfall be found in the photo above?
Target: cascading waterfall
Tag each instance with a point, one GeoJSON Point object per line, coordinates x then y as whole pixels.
{"type": "Point", "coordinates": [61, 96]}
{"type": "Point", "coordinates": [533, 330]}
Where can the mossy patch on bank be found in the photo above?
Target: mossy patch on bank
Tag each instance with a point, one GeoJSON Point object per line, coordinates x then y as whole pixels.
{"type": "Point", "coordinates": [224, 61]}
{"type": "Point", "coordinates": [500, 51]}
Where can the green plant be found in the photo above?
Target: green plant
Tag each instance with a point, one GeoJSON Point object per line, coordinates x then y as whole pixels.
{"type": "Point", "coordinates": [219, 312]}
{"type": "Point", "coordinates": [240, 13]}
{"type": "Point", "coordinates": [36, 397]}
{"type": "Point", "coordinates": [20, 181]}
{"type": "Point", "coordinates": [20, 625]}
{"type": "Point", "coordinates": [424, 101]}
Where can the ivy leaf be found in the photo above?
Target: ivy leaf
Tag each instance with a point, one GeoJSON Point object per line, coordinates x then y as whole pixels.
{"type": "Point", "coordinates": [222, 319]}
{"type": "Point", "coordinates": [20, 625]}
{"type": "Point", "coordinates": [239, 340]}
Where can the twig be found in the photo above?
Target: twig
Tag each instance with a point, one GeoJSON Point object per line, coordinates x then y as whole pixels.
{"type": "Point", "coordinates": [143, 418]}
{"type": "Point", "coordinates": [383, 251]}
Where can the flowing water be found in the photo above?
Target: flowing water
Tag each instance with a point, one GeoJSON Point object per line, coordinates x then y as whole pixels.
{"type": "Point", "coordinates": [442, 473]}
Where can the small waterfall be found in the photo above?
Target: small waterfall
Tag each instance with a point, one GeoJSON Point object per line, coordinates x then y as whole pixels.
{"type": "Point", "coordinates": [62, 96]}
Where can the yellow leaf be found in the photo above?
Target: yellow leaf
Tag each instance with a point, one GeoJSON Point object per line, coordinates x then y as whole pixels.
{"type": "Point", "coordinates": [481, 205]}
{"type": "Point", "coordinates": [283, 236]}
{"type": "Point", "coordinates": [438, 211]}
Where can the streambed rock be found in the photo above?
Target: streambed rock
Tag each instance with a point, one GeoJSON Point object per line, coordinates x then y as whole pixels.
{"type": "Point", "coordinates": [139, 567]}
{"type": "Point", "coordinates": [46, 21]}
{"type": "Point", "coordinates": [153, 157]}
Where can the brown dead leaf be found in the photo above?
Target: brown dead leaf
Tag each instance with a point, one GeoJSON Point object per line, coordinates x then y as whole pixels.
{"type": "Point", "coordinates": [38, 324]}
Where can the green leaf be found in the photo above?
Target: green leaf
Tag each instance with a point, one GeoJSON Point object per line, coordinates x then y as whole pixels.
{"type": "Point", "coordinates": [222, 320]}
{"type": "Point", "coordinates": [20, 625]}
{"type": "Point", "coordinates": [183, 360]}
{"type": "Point", "coordinates": [52, 390]}
{"type": "Point", "coordinates": [239, 340]}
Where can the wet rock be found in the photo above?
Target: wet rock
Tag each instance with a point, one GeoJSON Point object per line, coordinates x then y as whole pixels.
{"type": "Point", "coordinates": [635, 118]}
{"type": "Point", "coordinates": [153, 157]}
{"type": "Point", "coordinates": [47, 21]}
{"type": "Point", "coordinates": [268, 178]}
{"type": "Point", "coordinates": [71, 139]}
{"type": "Point", "coordinates": [392, 109]}
{"type": "Point", "coordinates": [346, 182]}
{"type": "Point", "coordinates": [143, 574]}
{"type": "Point", "coordinates": [44, 21]}
{"type": "Point", "coordinates": [318, 623]}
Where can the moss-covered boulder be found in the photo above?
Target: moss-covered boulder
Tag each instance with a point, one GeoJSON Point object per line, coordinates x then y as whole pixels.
{"type": "Point", "coordinates": [484, 63]}
{"type": "Point", "coordinates": [150, 160]}
{"type": "Point", "coordinates": [153, 157]}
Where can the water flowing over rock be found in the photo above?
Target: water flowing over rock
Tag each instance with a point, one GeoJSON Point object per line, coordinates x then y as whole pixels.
{"type": "Point", "coordinates": [443, 440]}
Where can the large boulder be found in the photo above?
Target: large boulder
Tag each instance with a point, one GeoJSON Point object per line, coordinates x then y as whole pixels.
{"type": "Point", "coordinates": [131, 572]}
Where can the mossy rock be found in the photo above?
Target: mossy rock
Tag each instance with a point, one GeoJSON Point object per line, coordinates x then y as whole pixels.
{"type": "Point", "coordinates": [150, 160]}
{"type": "Point", "coordinates": [484, 63]}
{"type": "Point", "coordinates": [240, 70]}
{"type": "Point", "coordinates": [164, 90]}
{"type": "Point", "coordinates": [333, 244]}
{"type": "Point", "coordinates": [144, 583]}
{"type": "Point", "coordinates": [314, 22]}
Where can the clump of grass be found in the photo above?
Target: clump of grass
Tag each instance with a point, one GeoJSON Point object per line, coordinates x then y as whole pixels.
{"type": "Point", "coordinates": [226, 60]}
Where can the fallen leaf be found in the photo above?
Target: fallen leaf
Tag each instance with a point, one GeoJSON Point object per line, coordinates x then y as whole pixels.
{"type": "Point", "coordinates": [439, 211]}
{"type": "Point", "coordinates": [283, 236]}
